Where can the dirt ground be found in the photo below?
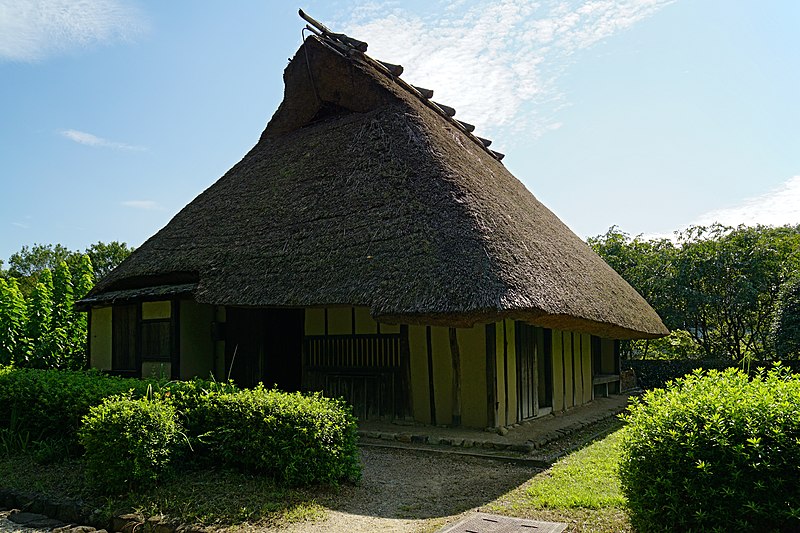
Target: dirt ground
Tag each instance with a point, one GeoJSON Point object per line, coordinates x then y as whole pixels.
{"type": "Point", "coordinates": [413, 491]}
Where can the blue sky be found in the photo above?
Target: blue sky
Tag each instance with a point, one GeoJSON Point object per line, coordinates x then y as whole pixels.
{"type": "Point", "coordinates": [648, 114]}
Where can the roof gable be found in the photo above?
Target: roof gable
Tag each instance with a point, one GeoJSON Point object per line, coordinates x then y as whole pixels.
{"type": "Point", "coordinates": [360, 191]}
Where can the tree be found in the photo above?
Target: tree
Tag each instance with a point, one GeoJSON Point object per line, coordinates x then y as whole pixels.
{"type": "Point", "coordinates": [42, 329]}
{"type": "Point", "coordinates": [727, 281]}
{"type": "Point", "coordinates": [13, 342]}
{"type": "Point", "coordinates": [62, 296]}
{"type": "Point", "coordinates": [27, 264]}
{"type": "Point", "coordinates": [785, 331]}
{"type": "Point", "coordinates": [716, 283]}
{"type": "Point", "coordinates": [105, 257]}
{"type": "Point", "coordinates": [77, 329]}
{"type": "Point", "coordinates": [32, 260]}
{"type": "Point", "coordinates": [40, 320]}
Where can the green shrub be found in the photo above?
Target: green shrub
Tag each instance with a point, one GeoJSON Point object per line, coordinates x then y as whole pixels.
{"type": "Point", "coordinates": [129, 442]}
{"type": "Point", "coordinates": [299, 439]}
{"type": "Point", "coordinates": [49, 404]}
{"type": "Point", "coordinates": [715, 451]}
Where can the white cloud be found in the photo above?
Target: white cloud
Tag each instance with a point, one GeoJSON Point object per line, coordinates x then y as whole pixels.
{"type": "Point", "coordinates": [81, 137]}
{"type": "Point", "coordinates": [21, 225]}
{"type": "Point", "coordinates": [494, 58]}
{"type": "Point", "coordinates": [31, 30]}
{"type": "Point", "coordinates": [146, 205]}
{"type": "Point", "coordinates": [777, 207]}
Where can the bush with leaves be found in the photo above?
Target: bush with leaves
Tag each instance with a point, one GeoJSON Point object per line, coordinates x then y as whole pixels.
{"type": "Point", "coordinates": [46, 404]}
{"type": "Point", "coordinates": [129, 441]}
{"type": "Point", "coordinates": [715, 451]}
{"type": "Point", "coordinates": [785, 332]}
{"type": "Point", "coordinates": [298, 439]}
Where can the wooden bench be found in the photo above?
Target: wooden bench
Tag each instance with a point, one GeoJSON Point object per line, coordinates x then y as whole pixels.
{"type": "Point", "coordinates": [605, 379]}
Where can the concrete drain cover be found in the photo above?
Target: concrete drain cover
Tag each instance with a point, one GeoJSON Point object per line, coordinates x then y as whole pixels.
{"type": "Point", "coordinates": [489, 523]}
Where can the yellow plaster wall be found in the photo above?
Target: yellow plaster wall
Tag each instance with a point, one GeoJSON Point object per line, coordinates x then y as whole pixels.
{"type": "Point", "coordinates": [558, 372]}
{"type": "Point", "coordinates": [156, 310]}
{"type": "Point", "coordinates": [499, 372]}
{"type": "Point", "coordinates": [512, 371]}
{"type": "Point", "coordinates": [418, 353]}
{"type": "Point", "coordinates": [569, 359]}
{"type": "Point", "coordinates": [197, 348]}
{"type": "Point", "coordinates": [390, 328]}
{"type": "Point", "coordinates": [100, 343]}
{"type": "Point", "coordinates": [505, 341]}
{"type": "Point", "coordinates": [472, 347]}
{"type": "Point", "coordinates": [587, 368]}
{"type": "Point", "coordinates": [340, 321]}
{"type": "Point", "coordinates": [315, 321]}
{"type": "Point", "coordinates": [365, 325]}
{"type": "Point", "coordinates": [577, 346]}
{"type": "Point", "coordinates": [442, 374]}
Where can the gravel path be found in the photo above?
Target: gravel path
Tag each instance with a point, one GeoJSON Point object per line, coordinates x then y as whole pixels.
{"type": "Point", "coordinates": [410, 491]}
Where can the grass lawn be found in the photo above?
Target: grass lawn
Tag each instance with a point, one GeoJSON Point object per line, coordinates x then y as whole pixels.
{"type": "Point", "coordinates": [581, 489]}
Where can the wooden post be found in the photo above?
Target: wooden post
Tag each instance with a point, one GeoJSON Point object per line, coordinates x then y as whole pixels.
{"type": "Point", "coordinates": [491, 376]}
{"type": "Point", "coordinates": [431, 392]}
{"type": "Point", "coordinates": [455, 354]}
{"type": "Point", "coordinates": [405, 361]}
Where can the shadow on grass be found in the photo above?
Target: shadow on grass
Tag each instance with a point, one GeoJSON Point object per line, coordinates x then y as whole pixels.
{"type": "Point", "coordinates": [194, 495]}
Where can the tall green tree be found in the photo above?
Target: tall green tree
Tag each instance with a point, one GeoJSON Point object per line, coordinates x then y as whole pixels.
{"type": "Point", "coordinates": [717, 284]}
{"type": "Point", "coordinates": [77, 329]}
{"type": "Point", "coordinates": [42, 328]}
{"type": "Point", "coordinates": [63, 301]}
{"type": "Point", "coordinates": [727, 281]}
{"type": "Point", "coordinates": [106, 256]}
{"type": "Point", "coordinates": [13, 341]}
{"type": "Point", "coordinates": [40, 321]}
{"type": "Point", "coordinates": [785, 331]}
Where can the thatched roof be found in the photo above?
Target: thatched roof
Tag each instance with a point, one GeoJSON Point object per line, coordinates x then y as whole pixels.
{"type": "Point", "coordinates": [362, 192]}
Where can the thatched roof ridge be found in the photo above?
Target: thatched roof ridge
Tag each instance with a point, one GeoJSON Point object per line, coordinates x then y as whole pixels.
{"type": "Point", "coordinates": [361, 193]}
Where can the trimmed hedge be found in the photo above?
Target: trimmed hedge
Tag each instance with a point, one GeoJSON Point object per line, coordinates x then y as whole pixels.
{"type": "Point", "coordinates": [50, 404]}
{"type": "Point", "coordinates": [715, 451]}
{"type": "Point", "coordinates": [129, 441]}
{"type": "Point", "coordinates": [298, 439]}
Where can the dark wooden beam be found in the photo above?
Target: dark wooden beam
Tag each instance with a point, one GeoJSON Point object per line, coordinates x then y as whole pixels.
{"type": "Point", "coordinates": [491, 375]}
{"type": "Point", "coordinates": [431, 391]}
{"type": "Point", "coordinates": [455, 355]}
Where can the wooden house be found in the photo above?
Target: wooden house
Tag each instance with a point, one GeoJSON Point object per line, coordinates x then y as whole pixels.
{"type": "Point", "coordinates": [370, 246]}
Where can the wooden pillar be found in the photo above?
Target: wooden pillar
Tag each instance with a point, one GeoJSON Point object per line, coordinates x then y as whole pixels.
{"type": "Point", "coordinates": [431, 392]}
{"type": "Point", "coordinates": [455, 355]}
{"type": "Point", "coordinates": [407, 406]}
{"type": "Point", "coordinates": [491, 375]}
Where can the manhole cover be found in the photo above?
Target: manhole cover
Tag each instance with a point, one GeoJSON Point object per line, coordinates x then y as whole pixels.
{"type": "Point", "coordinates": [490, 523]}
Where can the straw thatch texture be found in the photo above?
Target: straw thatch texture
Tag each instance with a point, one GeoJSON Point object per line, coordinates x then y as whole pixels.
{"type": "Point", "coordinates": [358, 193]}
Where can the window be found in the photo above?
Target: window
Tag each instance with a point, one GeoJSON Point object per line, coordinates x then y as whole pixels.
{"type": "Point", "coordinates": [156, 340]}
{"type": "Point", "coordinates": [141, 333]}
